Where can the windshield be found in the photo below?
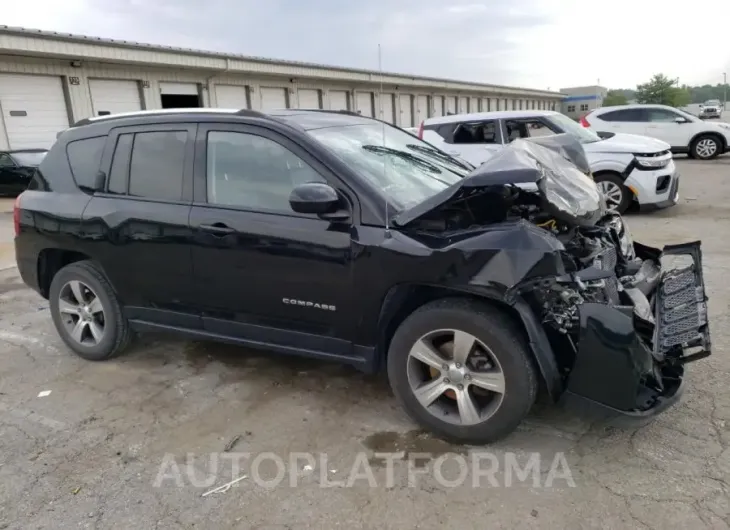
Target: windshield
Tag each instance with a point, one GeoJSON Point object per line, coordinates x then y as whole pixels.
{"type": "Point", "coordinates": [405, 169]}
{"type": "Point", "coordinates": [30, 158]}
{"type": "Point", "coordinates": [567, 125]}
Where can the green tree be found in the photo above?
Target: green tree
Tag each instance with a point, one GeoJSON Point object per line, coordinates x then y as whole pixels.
{"type": "Point", "coordinates": [615, 97]}
{"type": "Point", "coordinates": [660, 90]}
{"type": "Point", "coordinates": [663, 91]}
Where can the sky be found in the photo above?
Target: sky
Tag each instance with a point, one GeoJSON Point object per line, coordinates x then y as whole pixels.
{"type": "Point", "coordinates": [543, 44]}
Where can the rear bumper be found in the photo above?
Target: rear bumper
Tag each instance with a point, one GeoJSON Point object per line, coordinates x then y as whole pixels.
{"type": "Point", "coordinates": [27, 263]}
{"type": "Point", "coordinates": [627, 376]}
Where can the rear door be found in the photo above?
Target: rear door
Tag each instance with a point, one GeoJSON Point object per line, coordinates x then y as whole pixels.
{"type": "Point", "coordinates": [137, 228]}
{"type": "Point", "coordinates": [628, 121]}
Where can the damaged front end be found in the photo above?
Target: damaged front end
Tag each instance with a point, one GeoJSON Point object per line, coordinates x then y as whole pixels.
{"type": "Point", "coordinates": [620, 319]}
{"type": "Point", "coordinates": [625, 320]}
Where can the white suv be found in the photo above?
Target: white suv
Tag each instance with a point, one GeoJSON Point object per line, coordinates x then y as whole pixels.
{"type": "Point", "coordinates": [683, 131]}
{"type": "Point", "coordinates": [627, 168]}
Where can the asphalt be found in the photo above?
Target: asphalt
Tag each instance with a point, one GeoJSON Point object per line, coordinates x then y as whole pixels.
{"type": "Point", "coordinates": [107, 447]}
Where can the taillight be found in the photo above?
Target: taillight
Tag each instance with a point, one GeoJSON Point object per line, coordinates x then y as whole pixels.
{"type": "Point", "coordinates": [584, 122]}
{"type": "Point", "coordinates": [420, 131]}
{"type": "Point", "coordinates": [16, 215]}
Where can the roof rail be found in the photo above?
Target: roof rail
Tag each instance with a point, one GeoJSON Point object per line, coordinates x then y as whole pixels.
{"type": "Point", "coordinates": [163, 112]}
{"type": "Point", "coordinates": [251, 113]}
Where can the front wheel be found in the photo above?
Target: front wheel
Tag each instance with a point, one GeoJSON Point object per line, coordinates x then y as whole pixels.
{"type": "Point", "coordinates": [705, 147]}
{"type": "Point", "coordinates": [618, 197]}
{"type": "Point", "coordinates": [462, 370]}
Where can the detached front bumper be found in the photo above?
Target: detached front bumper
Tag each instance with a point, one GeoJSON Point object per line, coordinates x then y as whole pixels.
{"type": "Point", "coordinates": [627, 379]}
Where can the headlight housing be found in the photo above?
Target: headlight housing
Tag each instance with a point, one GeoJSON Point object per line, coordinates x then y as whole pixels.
{"type": "Point", "coordinates": [651, 162]}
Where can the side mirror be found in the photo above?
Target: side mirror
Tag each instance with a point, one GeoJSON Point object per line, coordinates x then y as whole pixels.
{"type": "Point", "coordinates": [314, 198]}
{"type": "Point", "coordinates": [680, 120]}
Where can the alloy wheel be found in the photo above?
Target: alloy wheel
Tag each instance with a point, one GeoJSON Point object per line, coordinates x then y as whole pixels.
{"type": "Point", "coordinates": [82, 313]}
{"type": "Point", "coordinates": [455, 377]}
{"type": "Point", "coordinates": [612, 192]}
{"type": "Point", "coordinates": [706, 148]}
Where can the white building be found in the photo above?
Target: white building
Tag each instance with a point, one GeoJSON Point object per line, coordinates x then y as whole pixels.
{"type": "Point", "coordinates": [49, 80]}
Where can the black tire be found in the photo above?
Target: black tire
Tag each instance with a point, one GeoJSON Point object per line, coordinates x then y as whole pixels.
{"type": "Point", "coordinates": [506, 342]}
{"type": "Point", "coordinates": [117, 334]}
{"type": "Point", "coordinates": [695, 151]}
{"type": "Point", "coordinates": [626, 195]}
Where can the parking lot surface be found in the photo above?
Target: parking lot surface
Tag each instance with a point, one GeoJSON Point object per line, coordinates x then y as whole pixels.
{"type": "Point", "coordinates": [91, 453]}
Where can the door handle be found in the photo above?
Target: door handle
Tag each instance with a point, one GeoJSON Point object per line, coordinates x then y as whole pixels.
{"type": "Point", "coordinates": [218, 228]}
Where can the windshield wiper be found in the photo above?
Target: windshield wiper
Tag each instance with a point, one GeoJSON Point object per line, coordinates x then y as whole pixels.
{"type": "Point", "coordinates": [402, 154]}
{"type": "Point", "coordinates": [440, 155]}
{"type": "Point", "coordinates": [405, 155]}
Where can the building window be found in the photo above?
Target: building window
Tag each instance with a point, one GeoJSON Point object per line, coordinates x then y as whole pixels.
{"type": "Point", "coordinates": [584, 106]}
{"type": "Point", "coordinates": [571, 108]}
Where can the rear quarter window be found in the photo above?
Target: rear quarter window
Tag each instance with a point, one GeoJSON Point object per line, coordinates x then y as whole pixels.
{"type": "Point", "coordinates": [84, 158]}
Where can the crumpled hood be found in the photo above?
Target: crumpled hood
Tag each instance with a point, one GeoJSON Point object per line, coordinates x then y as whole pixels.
{"type": "Point", "coordinates": [519, 163]}
{"type": "Point", "coordinates": [628, 143]}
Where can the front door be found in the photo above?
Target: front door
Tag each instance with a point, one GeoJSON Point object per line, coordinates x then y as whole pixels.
{"type": "Point", "coordinates": [264, 273]}
{"type": "Point", "coordinates": [663, 124]}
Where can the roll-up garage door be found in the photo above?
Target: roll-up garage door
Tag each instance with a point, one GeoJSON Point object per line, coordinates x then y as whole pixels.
{"type": "Point", "coordinates": [406, 110]}
{"type": "Point", "coordinates": [338, 100]}
{"type": "Point", "coordinates": [421, 108]}
{"type": "Point", "coordinates": [463, 105]}
{"type": "Point", "coordinates": [112, 96]}
{"type": "Point", "coordinates": [387, 108]}
{"type": "Point", "coordinates": [437, 105]}
{"type": "Point", "coordinates": [473, 104]}
{"type": "Point", "coordinates": [231, 97]}
{"type": "Point", "coordinates": [273, 98]}
{"type": "Point", "coordinates": [451, 104]}
{"type": "Point", "coordinates": [309, 98]}
{"type": "Point", "coordinates": [33, 110]}
{"type": "Point", "coordinates": [364, 103]}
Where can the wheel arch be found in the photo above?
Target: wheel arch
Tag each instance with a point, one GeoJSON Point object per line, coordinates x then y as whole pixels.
{"type": "Point", "coordinates": [402, 300]}
{"type": "Point", "coordinates": [52, 260]}
{"type": "Point", "coordinates": [716, 134]}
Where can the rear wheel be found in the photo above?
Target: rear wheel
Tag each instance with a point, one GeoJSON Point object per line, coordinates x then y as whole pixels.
{"type": "Point", "coordinates": [86, 312]}
{"type": "Point", "coordinates": [462, 370]}
{"type": "Point", "coordinates": [706, 147]}
{"type": "Point", "coordinates": [618, 196]}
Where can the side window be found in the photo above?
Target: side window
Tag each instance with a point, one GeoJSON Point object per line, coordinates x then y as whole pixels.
{"type": "Point", "coordinates": [483, 132]}
{"type": "Point", "coordinates": [6, 161]}
{"type": "Point", "coordinates": [119, 172]}
{"type": "Point", "coordinates": [662, 115]}
{"type": "Point", "coordinates": [84, 157]}
{"type": "Point", "coordinates": [157, 164]}
{"type": "Point", "coordinates": [626, 115]}
{"type": "Point", "coordinates": [253, 172]}
{"type": "Point", "coordinates": [571, 108]}
{"type": "Point", "coordinates": [515, 129]}
{"type": "Point", "coordinates": [583, 106]}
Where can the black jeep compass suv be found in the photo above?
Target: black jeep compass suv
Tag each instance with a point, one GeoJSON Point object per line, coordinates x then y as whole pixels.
{"type": "Point", "coordinates": [341, 237]}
